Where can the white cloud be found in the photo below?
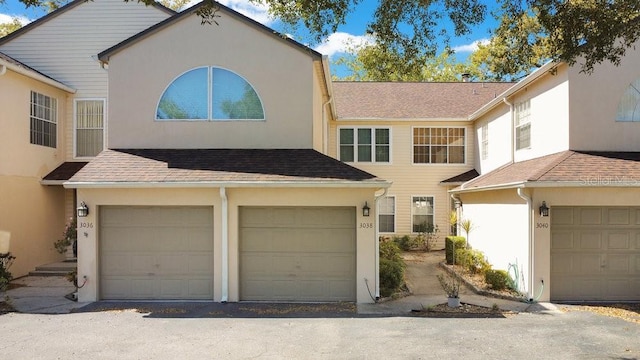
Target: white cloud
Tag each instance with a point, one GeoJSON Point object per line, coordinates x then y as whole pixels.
{"type": "Point", "coordinates": [470, 47]}
{"type": "Point", "coordinates": [5, 18]}
{"type": "Point", "coordinates": [257, 12]}
{"type": "Point", "coordinates": [340, 42]}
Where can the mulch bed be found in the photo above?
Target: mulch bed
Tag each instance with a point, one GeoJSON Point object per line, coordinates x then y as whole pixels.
{"type": "Point", "coordinates": [463, 311]}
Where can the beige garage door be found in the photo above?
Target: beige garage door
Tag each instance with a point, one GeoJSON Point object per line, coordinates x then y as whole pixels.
{"type": "Point", "coordinates": [156, 252]}
{"type": "Point", "coordinates": [595, 254]}
{"type": "Point", "coordinates": [297, 254]}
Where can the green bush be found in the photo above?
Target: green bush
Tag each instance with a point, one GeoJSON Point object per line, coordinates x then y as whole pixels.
{"type": "Point", "coordinates": [405, 242]}
{"type": "Point", "coordinates": [473, 261]}
{"type": "Point", "coordinates": [498, 279]}
{"type": "Point", "coordinates": [391, 268]}
{"type": "Point", "coordinates": [449, 242]}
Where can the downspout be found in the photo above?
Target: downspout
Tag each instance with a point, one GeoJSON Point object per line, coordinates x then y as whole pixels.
{"type": "Point", "coordinates": [225, 245]}
{"type": "Point", "coordinates": [513, 129]}
{"type": "Point", "coordinates": [458, 207]}
{"type": "Point", "coordinates": [3, 69]}
{"type": "Point", "coordinates": [526, 198]}
{"type": "Point", "coordinates": [325, 126]}
{"type": "Point", "coordinates": [377, 246]}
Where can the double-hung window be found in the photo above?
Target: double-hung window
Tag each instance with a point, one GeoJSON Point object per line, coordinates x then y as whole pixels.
{"type": "Point", "coordinates": [387, 214]}
{"type": "Point", "coordinates": [43, 120]}
{"type": "Point", "coordinates": [523, 125]}
{"type": "Point", "coordinates": [438, 145]}
{"type": "Point", "coordinates": [89, 131]}
{"type": "Point", "coordinates": [365, 145]}
{"type": "Point", "coordinates": [421, 213]}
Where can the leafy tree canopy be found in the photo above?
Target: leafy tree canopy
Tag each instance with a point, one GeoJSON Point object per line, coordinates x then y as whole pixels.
{"type": "Point", "coordinates": [10, 27]}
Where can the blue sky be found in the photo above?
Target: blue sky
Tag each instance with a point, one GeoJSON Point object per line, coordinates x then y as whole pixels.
{"type": "Point", "coordinates": [333, 46]}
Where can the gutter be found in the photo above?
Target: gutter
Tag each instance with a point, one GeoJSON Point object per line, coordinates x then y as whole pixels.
{"type": "Point", "coordinates": [225, 245]}
{"type": "Point", "coordinates": [34, 75]}
{"type": "Point", "coordinates": [530, 237]}
{"type": "Point", "coordinates": [208, 184]}
{"type": "Point", "coordinates": [586, 183]}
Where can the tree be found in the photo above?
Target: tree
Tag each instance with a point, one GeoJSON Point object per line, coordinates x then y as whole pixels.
{"type": "Point", "coordinates": [374, 63]}
{"type": "Point", "coordinates": [9, 27]}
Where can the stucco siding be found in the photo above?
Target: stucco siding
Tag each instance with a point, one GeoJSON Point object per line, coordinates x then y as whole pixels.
{"type": "Point", "coordinates": [410, 179]}
{"type": "Point", "coordinates": [499, 149]}
{"type": "Point", "coordinates": [594, 101]}
{"type": "Point", "coordinates": [499, 230]}
{"type": "Point", "coordinates": [281, 74]}
{"type": "Point", "coordinates": [549, 114]}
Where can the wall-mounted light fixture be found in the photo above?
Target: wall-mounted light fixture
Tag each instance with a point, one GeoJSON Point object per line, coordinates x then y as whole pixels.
{"type": "Point", "coordinates": [544, 210]}
{"type": "Point", "coordinates": [365, 209]}
{"type": "Point", "coordinates": [83, 210]}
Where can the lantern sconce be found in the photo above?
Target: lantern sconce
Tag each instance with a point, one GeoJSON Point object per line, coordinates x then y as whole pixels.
{"type": "Point", "coordinates": [365, 209]}
{"type": "Point", "coordinates": [544, 209]}
{"type": "Point", "coordinates": [83, 210]}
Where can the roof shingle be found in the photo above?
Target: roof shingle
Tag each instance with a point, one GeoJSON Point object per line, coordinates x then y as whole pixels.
{"type": "Point", "coordinates": [217, 165]}
{"type": "Point", "coordinates": [589, 168]}
{"type": "Point", "coordinates": [412, 100]}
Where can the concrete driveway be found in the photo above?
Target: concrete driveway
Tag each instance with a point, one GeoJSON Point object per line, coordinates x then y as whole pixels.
{"type": "Point", "coordinates": [127, 334]}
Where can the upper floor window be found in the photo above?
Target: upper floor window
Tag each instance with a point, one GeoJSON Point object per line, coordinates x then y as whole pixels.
{"type": "Point", "coordinates": [629, 106]}
{"type": "Point", "coordinates": [365, 145]}
{"type": "Point", "coordinates": [387, 214]}
{"type": "Point", "coordinates": [523, 125]}
{"type": "Point", "coordinates": [438, 145]}
{"type": "Point", "coordinates": [43, 120]}
{"type": "Point", "coordinates": [485, 141]}
{"type": "Point", "coordinates": [210, 93]}
{"type": "Point", "coordinates": [89, 129]}
{"type": "Point", "coordinates": [421, 213]}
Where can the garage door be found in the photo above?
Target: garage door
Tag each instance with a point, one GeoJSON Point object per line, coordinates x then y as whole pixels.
{"type": "Point", "coordinates": [595, 254]}
{"type": "Point", "coordinates": [297, 254]}
{"type": "Point", "coordinates": [156, 252]}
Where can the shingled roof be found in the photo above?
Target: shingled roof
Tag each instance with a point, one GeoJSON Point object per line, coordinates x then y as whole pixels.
{"type": "Point", "coordinates": [584, 168]}
{"type": "Point", "coordinates": [409, 100]}
{"type": "Point", "coordinates": [63, 172]}
{"type": "Point", "coordinates": [219, 165]}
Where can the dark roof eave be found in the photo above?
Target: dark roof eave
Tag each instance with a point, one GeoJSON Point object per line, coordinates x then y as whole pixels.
{"type": "Point", "coordinates": [104, 55]}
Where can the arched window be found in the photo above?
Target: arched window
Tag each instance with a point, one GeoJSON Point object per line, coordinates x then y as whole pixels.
{"type": "Point", "coordinates": [210, 93]}
{"type": "Point", "coordinates": [629, 106]}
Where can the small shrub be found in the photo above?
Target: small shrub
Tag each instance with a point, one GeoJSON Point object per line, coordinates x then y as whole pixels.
{"type": "Point", "coordinates": [391, 268]}
{"type": "Point", "coordinates": [404, 242]}
{"type": "Point", "coordinates": [497, 279]}
{"type": "Point", "coordinates": [450, 284]}
{"type": "Point", "coordinates": [473, 261]}
{"type": "Point", "coordinates": [5, 275]}
{"type": "Point", "coordinates": [428, 236]}
{"type": "Point", "coordinates": [449, 242]}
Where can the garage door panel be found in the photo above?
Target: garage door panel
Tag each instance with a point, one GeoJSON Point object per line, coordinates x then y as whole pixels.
{"type": "Point", "coordinates": [590, 241]}
{"type": "Point", "coordinates": [561, 239]}
{"type": "Point", "coordinates": [604, 264]}
{"type": "Point", "coordinates": [299, 258]}
{"type": "Point", "coordinates": [618, 241]}
{"type": "Point", "coordinates": [156, 252]}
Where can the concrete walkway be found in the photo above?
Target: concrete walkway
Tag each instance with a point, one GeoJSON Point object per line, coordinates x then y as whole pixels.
{"type": "Point", "coordinates": [41, 295]}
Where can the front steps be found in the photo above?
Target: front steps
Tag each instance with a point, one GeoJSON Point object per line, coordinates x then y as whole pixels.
{"type": "Point", "coordinates": [55, 269]}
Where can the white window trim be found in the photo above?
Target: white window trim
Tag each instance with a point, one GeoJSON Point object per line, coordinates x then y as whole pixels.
{"type": "Point", "coordinates": [57, 112]}
{"type": "Point", "coordinates": [75, 124]}
{"type": "Point", "coordinates": [517, 125]}
{"type": "Point", "coordinates": [395, 215]}
{"type": "Point", "coordinates": [373, 155]}
{"type": "Point", "coordinates": [466, 146]}
{"type": "Point", "coordinates": [411, 210]}
{"type": "Point", "coordinates": [484, 141]}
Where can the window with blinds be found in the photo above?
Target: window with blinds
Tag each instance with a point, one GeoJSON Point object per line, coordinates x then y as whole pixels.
{"type": "Point", "coordinates": [89, 127]}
